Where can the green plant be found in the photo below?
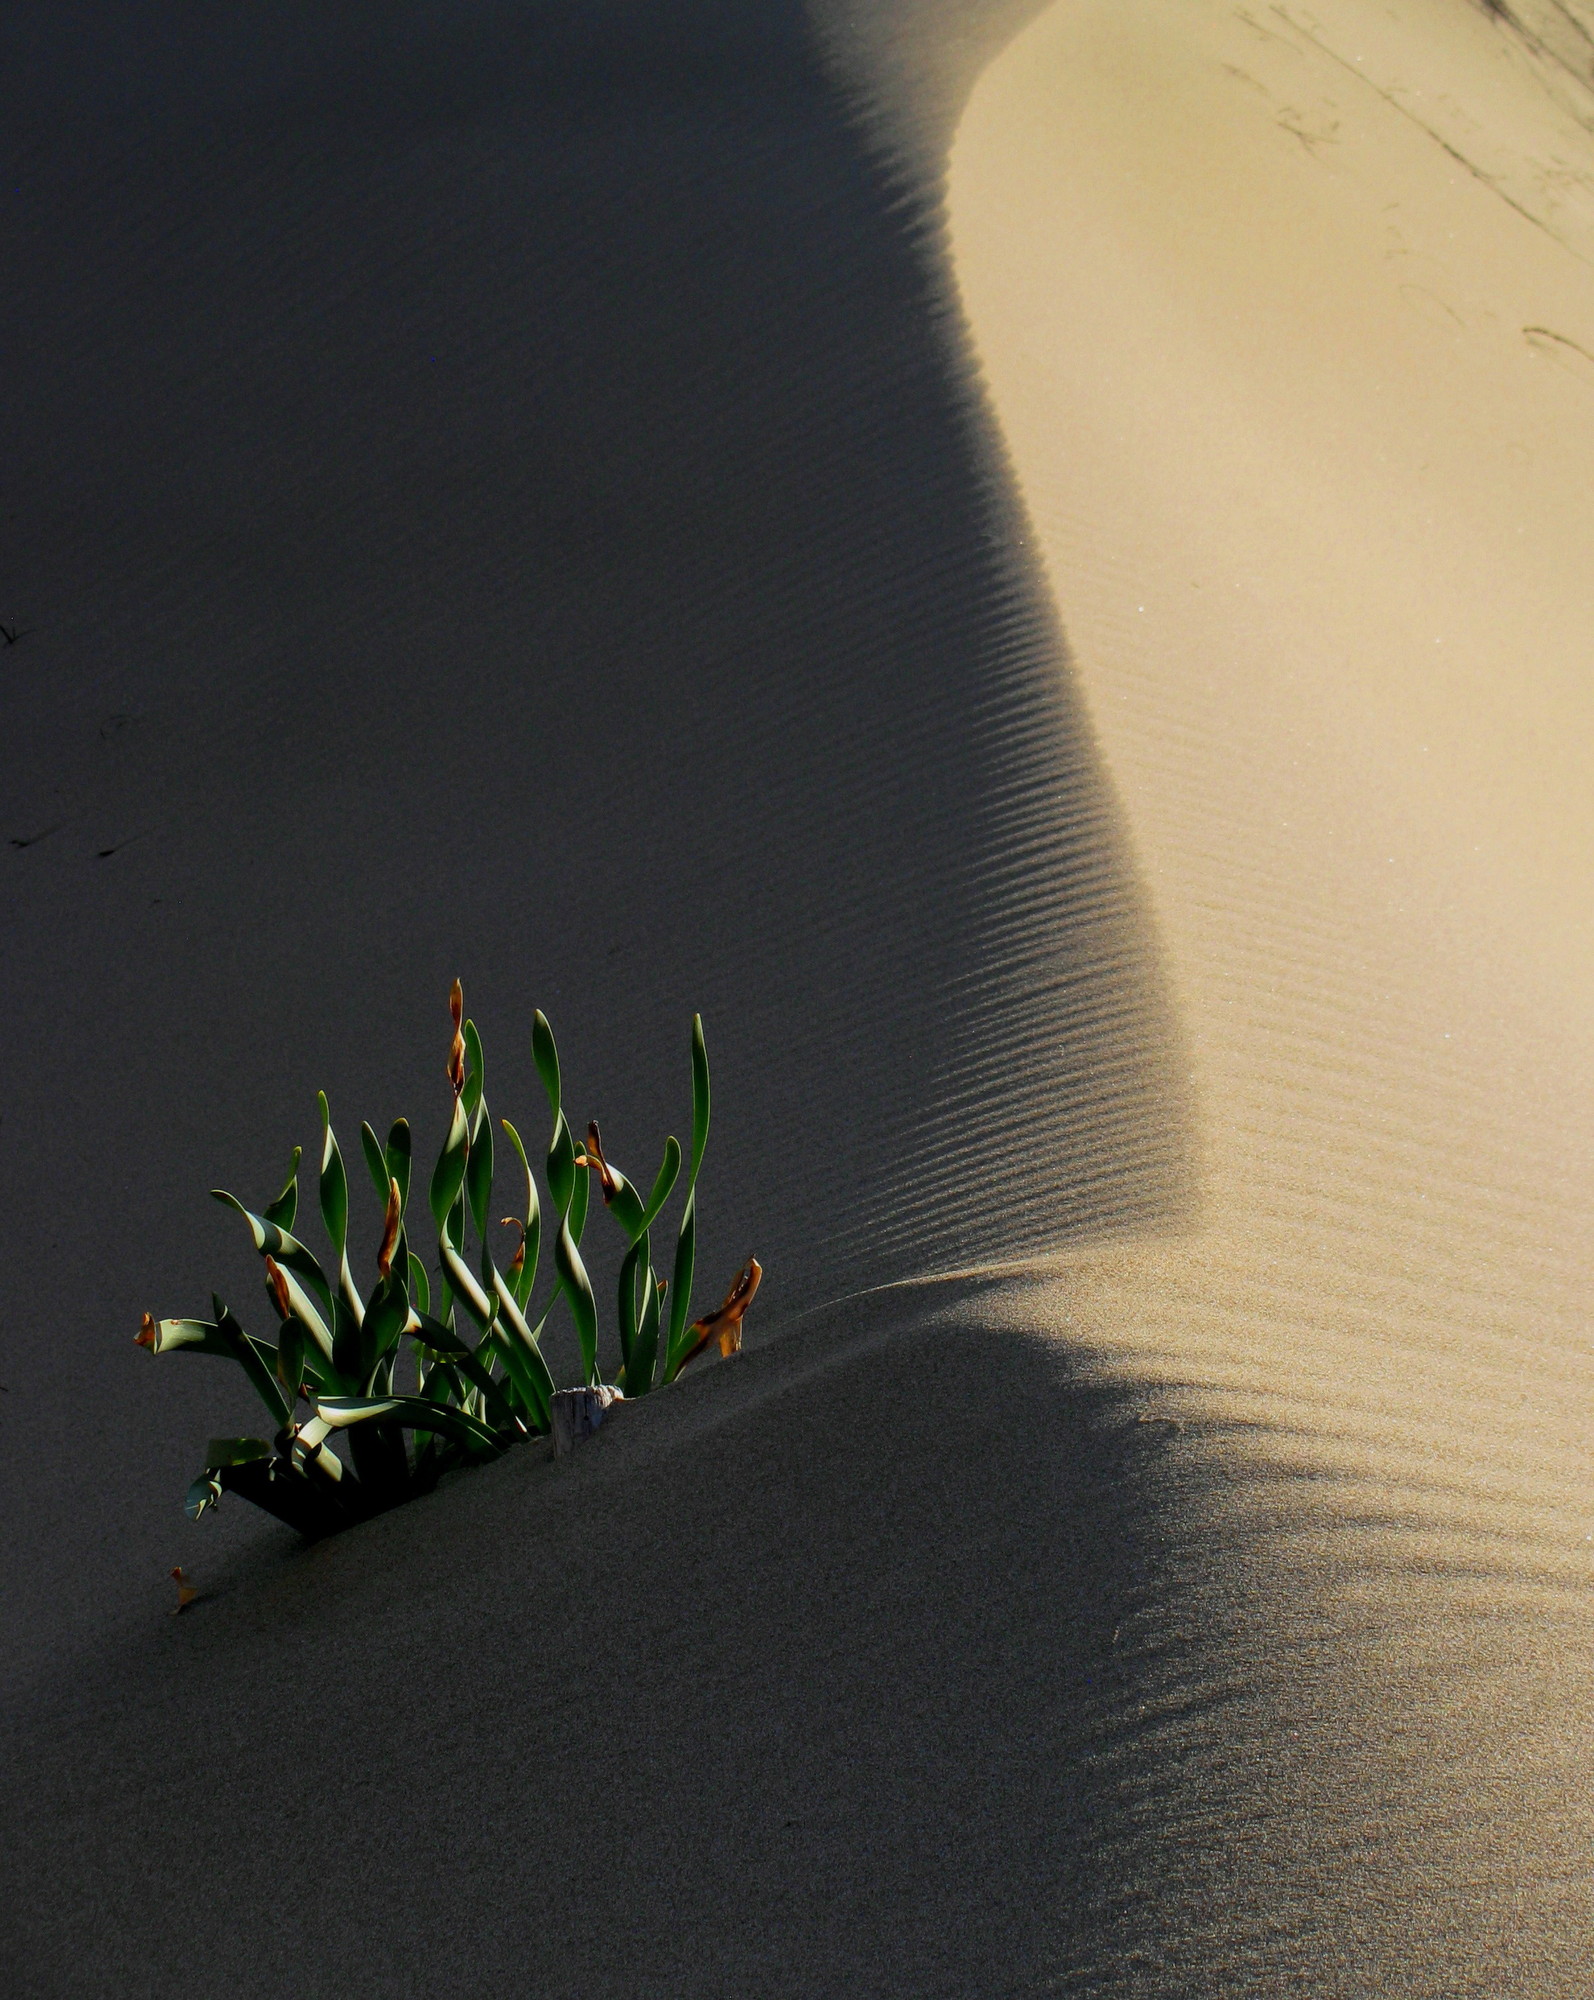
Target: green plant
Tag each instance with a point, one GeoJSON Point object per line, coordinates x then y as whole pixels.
{"type": "Point", "coordinates": [480, 1381]}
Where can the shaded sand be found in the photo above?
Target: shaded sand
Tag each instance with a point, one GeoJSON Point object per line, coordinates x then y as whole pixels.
{"type": "Point", "coordinates": [493, 492]}
{"type": "Point", "coordinates": [1286, 318]}
{"type": "Point", "coordinates": [504, 493]}
{"type": "Point", "coordinates": [496, 491]}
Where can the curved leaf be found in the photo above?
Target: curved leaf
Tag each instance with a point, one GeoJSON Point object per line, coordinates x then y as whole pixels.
{"type": "Point", "coordinates": [523, 1279]}
{"type": "Point", "coordinates": [663, 1182]}
{"type": "Point", "coordinates": [577, 1213]}
{"type": "Point", "coordinates": [286, 1206]}
{"type": "Point", "coordinates": [272, 1241]}
{"type": "Point", "coordinates": [414, 1413]}
{"type": "Point", "coordinates": [198, 1336]}
{"type": "Point", "coordinates": [225, 1339]}
{"type": "Point", "coordinates": [420, 1285]}
{"type": "Point", "coordinates": [546, 1056]}
{"type": "Point", "coordinates": [257, 1359]}
{"type": "Point", "coordinates": [385, 1321]}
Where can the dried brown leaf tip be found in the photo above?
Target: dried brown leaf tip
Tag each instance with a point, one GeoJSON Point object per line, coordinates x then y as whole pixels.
{"type": "Point", "coordinates": [456, 1052]}
{"type": "Point", "coordinates": [392, 1223]}
{"type": "Point", "coordinates": [146, 1335]}
{"type": "Point", "coordinates": [592, 1157]}
{"type": "Point", "coordinates": [726, 1323]}
{"type": "Point", "coordinates": [277, 1284]}
{"type": "Point", "coordinates": [517, 1263]}
{"type": "Point", "coordinates": [186, 1591]}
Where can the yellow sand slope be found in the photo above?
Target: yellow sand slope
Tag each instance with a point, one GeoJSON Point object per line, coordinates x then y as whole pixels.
{"type": "Point", "coordinates": [1288, 318]}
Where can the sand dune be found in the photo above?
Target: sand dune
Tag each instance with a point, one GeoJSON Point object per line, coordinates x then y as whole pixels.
{"type": "Point", "coordinates": [512, 492]}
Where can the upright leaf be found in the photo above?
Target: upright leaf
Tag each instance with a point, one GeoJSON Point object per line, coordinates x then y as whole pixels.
{"type": "Point", "coordinates": [524, 1273]}
{"type": "Point", "coordinates": [476, 1074]}
{"type": "Point", "coordinates": [334, 1183]}
{"type": "Point", "coordinates": [385, 1319]}
{"type": "Point", "coordinates": [479, 1174]}
{"type": "Point", "coordinates": [398, 1160]}
{"type": "Point", "coordinates": [470, 1294]}
{"type": "Point", "coordinates": [631, 1270]}
{"type": "Point", "coordinates": [681, 1288]}
{"type": "Point", "coordinates": [643, 1364]}
{"type": "Point", "coordinates": [523, 1358]}
{"type": "Point", "coordinates": [375, 1161]}
{"type": "Point", "coordinates": [577, 1214]}
{"type": "Point", "coordinates": [561, 1166]}
{"type": "Point", "coordinates": [449, 1174]}
{"type": "Point", "coordinates": [578, 1290]}
{"type": "Point", "coordinates": [700, 1100]}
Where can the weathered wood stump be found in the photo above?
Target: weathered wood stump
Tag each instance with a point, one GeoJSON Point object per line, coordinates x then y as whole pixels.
{"type": "Point", "coordinates": [577, 1413]}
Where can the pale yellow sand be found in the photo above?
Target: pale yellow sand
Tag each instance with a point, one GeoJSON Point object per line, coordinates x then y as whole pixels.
{"type": "Point", "coordinates": [1288, 319]}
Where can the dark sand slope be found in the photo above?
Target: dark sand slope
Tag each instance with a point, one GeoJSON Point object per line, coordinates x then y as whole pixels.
{"type": "Point", "coordinates": [816, 1678]}
{"type": "Point", "coordinates": [494, 492]}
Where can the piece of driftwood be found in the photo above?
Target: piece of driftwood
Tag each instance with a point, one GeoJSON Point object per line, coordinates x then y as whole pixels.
{"type": "Point", "coordinates": [577, 1413]}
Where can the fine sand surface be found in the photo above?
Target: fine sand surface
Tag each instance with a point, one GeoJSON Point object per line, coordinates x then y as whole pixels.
{"type": "Point", "coordinates": [546, 493]}
{"type": "Point", "coordinates": [1287, 316]}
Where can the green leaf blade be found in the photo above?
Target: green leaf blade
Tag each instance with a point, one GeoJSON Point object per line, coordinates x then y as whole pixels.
{"type": "Point", "coordinates": [545, 1055]}
{"type": "Point", "coordinates": [375, 1162]}
{"type": "Point", "coordinates": [700, 1097]}
{"type": "Point", "coordinates": [578, 1291]}
{"type": "Point", "coordinates": [479, 1174]}
{"type": "Point", "coordinates": [281, 1212]}
{"type": "Point", "coordinates": [334, 1183]}
{"type": "Point", "coordinates": [448, 1175]}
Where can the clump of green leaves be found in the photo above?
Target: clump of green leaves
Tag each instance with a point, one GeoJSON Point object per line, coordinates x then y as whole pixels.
{"type": "Point", "coordinates": [418, 1382]}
